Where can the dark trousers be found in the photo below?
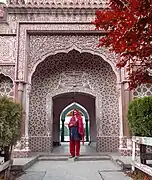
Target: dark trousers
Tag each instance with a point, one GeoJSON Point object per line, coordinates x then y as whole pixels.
{"type": "Point", "coordinates": [74, 147]}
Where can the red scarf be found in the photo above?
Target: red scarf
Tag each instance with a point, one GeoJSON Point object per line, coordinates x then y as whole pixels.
{"type": "Point", "coordinates": [80, 123]}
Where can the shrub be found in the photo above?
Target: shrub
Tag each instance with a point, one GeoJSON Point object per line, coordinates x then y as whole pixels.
{"type": "Point", "coordinates": [10, 122]}
{"type": "Point", "coordinates": [140, 116]}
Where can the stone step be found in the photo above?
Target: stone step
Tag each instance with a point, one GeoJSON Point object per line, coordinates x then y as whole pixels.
{"type": "Point", "coordinates": [66, 158]}
{"type": "Point", "coordinates": [67, 155]}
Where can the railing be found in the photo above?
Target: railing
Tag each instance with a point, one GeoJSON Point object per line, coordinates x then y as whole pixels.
{"type": "Point", "coordinates": [62, 3]}
{"type": "Point", "coordinates": [142, 165]}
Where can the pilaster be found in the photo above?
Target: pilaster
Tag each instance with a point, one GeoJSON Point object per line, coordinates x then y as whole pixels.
{"type": "Point", "coordinates": [27, 94]}
{"type": "Point", "coordinates": [22, 148]}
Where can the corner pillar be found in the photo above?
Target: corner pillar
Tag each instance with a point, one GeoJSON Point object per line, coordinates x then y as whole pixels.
{"type": "Point", "coordinates": [22, 148]}
{"type": "Point", "coordinates": [124, 100]}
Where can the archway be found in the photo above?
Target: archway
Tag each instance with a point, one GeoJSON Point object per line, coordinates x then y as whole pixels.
{"type": "Point", "coordinates": [72, 73]}
{"type": "Point", "coordinates": [64, 119]}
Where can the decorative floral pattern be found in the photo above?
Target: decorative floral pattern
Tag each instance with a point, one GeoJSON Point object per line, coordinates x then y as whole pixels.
{"type": "Point", "coordinates": [7, 49]}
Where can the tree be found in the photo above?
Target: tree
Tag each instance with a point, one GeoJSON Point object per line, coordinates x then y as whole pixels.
{"type": "Point", "coordinates": [10, 123]}
{"type": "Point", "coordinates": [128, 24]}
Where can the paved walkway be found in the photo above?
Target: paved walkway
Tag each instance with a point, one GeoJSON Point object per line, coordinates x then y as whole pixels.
{"type": "Point", "coordinates": [64, 149]}
{"type": "Point", "coordinates": [74, 170]}
{"type": "Point", "coordinates": [70, 170]}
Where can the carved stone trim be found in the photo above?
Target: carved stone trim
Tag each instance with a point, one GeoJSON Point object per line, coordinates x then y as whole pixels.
{"type": "Point", "coordinates": [7, 49]}
{"type": "Point", "coordinates": [60, 3]}
{"type": "Point", "coordinates": [81, 43]}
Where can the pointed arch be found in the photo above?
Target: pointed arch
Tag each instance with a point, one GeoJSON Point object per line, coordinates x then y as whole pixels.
{"type": "Point", "coordinates": [72, 106]}
{"type": "Point", "coordinates": [105, 56]}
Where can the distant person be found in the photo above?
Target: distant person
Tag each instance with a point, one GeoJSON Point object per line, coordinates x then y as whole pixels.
{"type": "Point", "coordinates": [76, 133]}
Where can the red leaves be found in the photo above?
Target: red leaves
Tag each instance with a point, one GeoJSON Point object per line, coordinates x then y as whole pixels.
{"type": "Point", "coordinates": [129, 25]}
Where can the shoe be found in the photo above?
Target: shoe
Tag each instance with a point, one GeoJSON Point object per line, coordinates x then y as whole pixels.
{"type": "Point", "coordinates": [71, 157]}
{"type": "Point", "coordinates": [76, 157]}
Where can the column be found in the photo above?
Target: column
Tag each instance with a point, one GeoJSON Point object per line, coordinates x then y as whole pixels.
{"type": "Point", "coordinates": [124, 99]}
{"type": "Point", "coordinates": [20, 93]}
{"type": "Point", "coordinates": [119, 86]}
{"type": "Point", "coordinates": [27, 93]}
{"type": "Point", "coordinates": [127, 99]}
{"type": "Point", "coordinates": [62, 132]}
{"type": "Point", "coordinates": [20, 88]}
{"type": "Point", "coordinates": [120, 98]}
{"type": "Point", "coordinates": [87, 130]}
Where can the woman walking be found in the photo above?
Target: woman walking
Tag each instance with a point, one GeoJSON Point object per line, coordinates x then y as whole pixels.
{"type": "Point", "coordinates": [76, 133]}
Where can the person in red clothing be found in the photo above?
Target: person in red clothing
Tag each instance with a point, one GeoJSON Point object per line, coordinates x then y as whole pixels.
{"type": "Point", "coordinates": [76, 133]}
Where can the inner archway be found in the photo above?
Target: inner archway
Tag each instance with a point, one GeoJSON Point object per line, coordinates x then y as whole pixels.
{"type": "Point", "coordinates": [63, 104]}
{"type": "Point", "coordinates": [65, 117]}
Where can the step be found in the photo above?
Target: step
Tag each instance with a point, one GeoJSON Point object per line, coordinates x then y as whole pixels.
{"type": "Point", "coordinates": [67, 154]}
{"type": "Point", "coordinates": [66, 158]}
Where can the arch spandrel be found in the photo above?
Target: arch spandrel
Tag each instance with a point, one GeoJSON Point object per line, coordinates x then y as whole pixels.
{"type": "Point", "coordinates": [8, 71]}
{"type": "Point", "coordinates": [64, 44]}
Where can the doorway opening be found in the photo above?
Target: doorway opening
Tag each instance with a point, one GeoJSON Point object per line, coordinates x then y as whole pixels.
{"type": "Point", "coordinates": [63, 105]}
{"type": "Point", "coordinates": [65, 117]}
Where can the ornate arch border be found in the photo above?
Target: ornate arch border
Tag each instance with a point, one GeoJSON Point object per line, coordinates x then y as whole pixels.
{"type": "Point", "coordinates": [67, 50]}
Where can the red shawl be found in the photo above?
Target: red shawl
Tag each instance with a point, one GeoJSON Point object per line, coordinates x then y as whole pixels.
{"type": "Point", "coordinates": [80, 124]}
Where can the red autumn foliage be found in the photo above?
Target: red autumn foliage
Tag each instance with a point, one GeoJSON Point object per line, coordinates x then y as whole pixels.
{"type": "Point", "coordinates": [129, 33]}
